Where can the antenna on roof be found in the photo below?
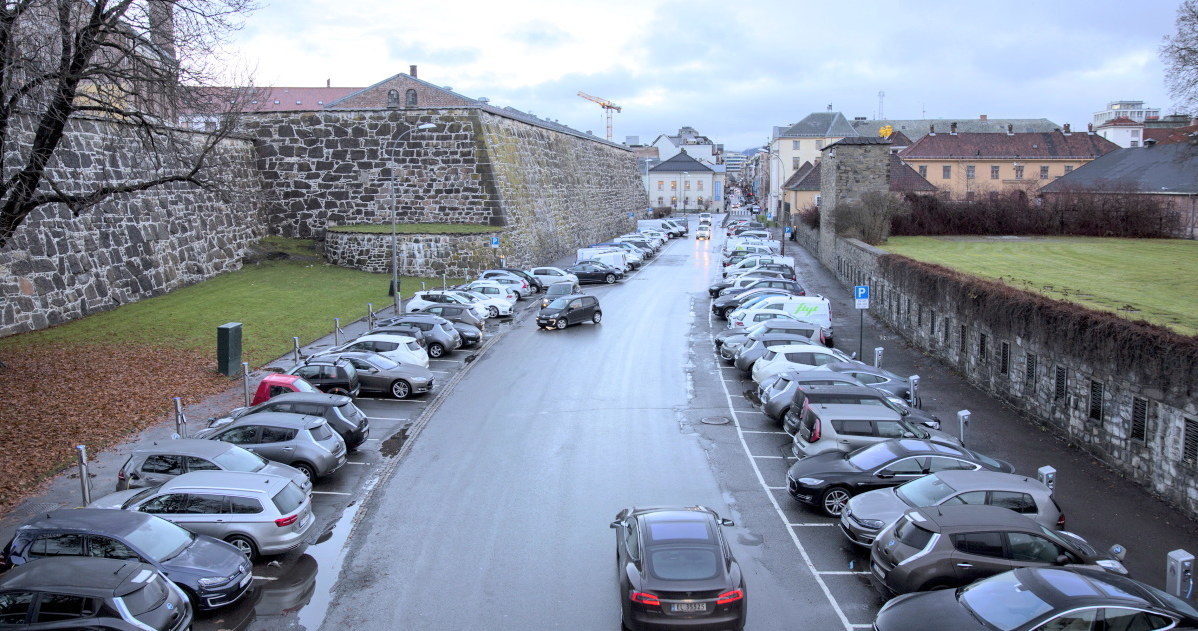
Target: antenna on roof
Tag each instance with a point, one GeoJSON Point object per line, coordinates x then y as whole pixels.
{"type": "Point", "coordinates": [829, 107]}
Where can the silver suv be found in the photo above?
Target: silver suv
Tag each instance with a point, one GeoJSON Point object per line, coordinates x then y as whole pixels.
{"type": "Point", "coordinates": [845, 427]}
{"type": "Point", "coordinates": [156, 462]}
{"type": "Point", "coordinates": [304, 442]}
{"type": "Point", "coordinates": [870, 512]}
{"type": "Point", "coordinates": [258, 514]}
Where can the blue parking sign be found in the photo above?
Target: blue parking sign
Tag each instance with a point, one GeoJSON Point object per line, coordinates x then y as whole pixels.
{"type": "Point", "coordinates": [494, 242]}
{"type": "Point", "coordinates": [861, 292]}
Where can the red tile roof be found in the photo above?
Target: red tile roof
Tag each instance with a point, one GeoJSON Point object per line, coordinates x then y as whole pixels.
{"type": "Point", "coordinates": [1044, 145]}
{"type": "Point", "coordinates": [1121, 121]}
{"type": "Point", "coordinates": [272, 99]}
{"type": "Point", "coordinates": [1170, 135]}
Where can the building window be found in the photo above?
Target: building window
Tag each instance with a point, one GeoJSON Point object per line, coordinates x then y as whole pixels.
{"type": "Point", "coordinates": [661, 185]}
{"type": "Point", "coordinates": [1190, 450]}
{"type": "Point", "coordinates": [919, 317]}
{"type": "Point", "coordinates": [1095, 400]}
{"type": "Point", "coordinates": [1139, 419]}
{"type": "Point", "coordinates": [1058, 391]}
{"type": "Point", "coordinates": [932, 323]}
{"type": "Point", "coordinates": [410, 98]}
{"type": "Point", "coordinates": [686, 185]}
{"type": "Point", "coordinates": [794, 144]}
{"type": "Point", "coordinates": [674, 185]}
{"type": "Point", "coordinates": [969, 196]}
{"type": "Point", "coordinates": [660, 200]}
{"type": "Point", "coordinates": [1134, 143]}
{"type": "Point", "coordinates": [817, 201]}
{"type": "Point", "coordinates": [795, 163]}
{"type": "Point", "coordinates": [946, 171]}
{"type": "Point", "coordinates": [970, 172]}
{"type": "Point", "coordinates": [1044, 173]}
{"type": "Point", "coordinates": [1068, 168]}
{"type": "Point", "coordinates": [1004, 359]}
{"type": "Point", "coordinates": [923, 171]}
{"type": "Point", "coordinates": [1019, 171]}
{"type": "Point", "coordinates": [982, 346]}
{"type": "Point", "coordinates": [1029, 373]}
{"type": "Point", "coordinates": [994, 172]}
{"type": "Point", "coordinates": [699, 185]}
{"type": "Point", "coordinates": [964, 338]}
{"type": "Point", "coordinates": [392, 98]}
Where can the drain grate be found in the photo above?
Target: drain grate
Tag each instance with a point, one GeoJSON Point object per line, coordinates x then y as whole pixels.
{"type": "Point", "coordinates": [715, 420]}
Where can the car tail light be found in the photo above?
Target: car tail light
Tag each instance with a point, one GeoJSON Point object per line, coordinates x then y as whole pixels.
{"type": "Point", "coordinates": [645, 598]}
{"type": "Point", "coordinates": [286, 521]}
{"type": "Point", "coordinates": [730, 597]}
{"type": "Point", "coordinates": [822, 338]}
{"type": "Point", "coordinates": [814, 428]}
{"type": "Point", "coordinates": [120, 474]}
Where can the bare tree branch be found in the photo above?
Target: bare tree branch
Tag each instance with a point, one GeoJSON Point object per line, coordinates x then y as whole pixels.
{"type": "Point", "coordinates": [1180, 55]}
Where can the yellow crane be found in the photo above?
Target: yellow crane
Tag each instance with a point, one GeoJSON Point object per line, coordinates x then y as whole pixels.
{"type": "Point", "coordinates": [607, 106]}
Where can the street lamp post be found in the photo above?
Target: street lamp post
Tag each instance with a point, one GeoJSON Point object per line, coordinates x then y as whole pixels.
{"type": "Point", "coordinates": [397, 303]}
{"type": "Point", "coordinates": [681, 188]}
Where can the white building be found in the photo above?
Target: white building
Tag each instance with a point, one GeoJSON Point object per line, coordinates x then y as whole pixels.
{"type": "Point", "coordinates": [684, 183]}
{"type": "Point", "coordinates": [1133, 110]}
{"type": "Point", "coordinates": [698, 146]}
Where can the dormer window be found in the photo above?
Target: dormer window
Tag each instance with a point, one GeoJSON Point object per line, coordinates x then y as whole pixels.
{"type": "Point", "coordinates": [410, 98]}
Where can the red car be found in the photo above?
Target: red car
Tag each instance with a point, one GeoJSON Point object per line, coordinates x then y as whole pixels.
{"type": "Point", "coordinates": [275, 384]}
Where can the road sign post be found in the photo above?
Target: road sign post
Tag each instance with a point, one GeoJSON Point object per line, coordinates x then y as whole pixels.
{"type": "Point", "coordinates": [861, 297]}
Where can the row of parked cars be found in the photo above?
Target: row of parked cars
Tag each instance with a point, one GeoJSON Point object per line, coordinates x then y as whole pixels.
{"type": "Point", "coordinates": [934, 515]}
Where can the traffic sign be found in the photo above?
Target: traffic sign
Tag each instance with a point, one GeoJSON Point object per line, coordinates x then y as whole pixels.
{"type": "Point", "coordinates": [788, 231]}
{"type": "Point", "coordinates": [494, 242]}
{"type": "Point", "coordinates": [631, 215]}
{"type": "Point", "coordinates": [861, 295]}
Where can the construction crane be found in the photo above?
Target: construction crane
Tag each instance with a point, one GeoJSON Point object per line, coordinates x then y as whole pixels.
{"type": "Point", "coordinates": [607, 106]}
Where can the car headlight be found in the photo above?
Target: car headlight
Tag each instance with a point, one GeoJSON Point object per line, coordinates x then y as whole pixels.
{"type": "Point", "coordinates": [873, 524]}
{"type": "Point", "coordinates": [810, 481]}
{"type": "Point", "coordinates": [1111, 565]}
{"type": "Point", "coordinates": [213, 581]}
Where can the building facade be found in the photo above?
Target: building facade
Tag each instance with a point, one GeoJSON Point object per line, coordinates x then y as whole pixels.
{"type": "Point", "coordinates": [683, 183]}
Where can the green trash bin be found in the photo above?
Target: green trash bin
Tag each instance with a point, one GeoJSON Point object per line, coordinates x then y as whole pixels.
{"type": "Point", "coordinates": [228, 348]}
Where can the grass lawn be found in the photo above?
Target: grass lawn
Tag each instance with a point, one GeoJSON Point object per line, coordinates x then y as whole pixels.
{"type": "Point", "coordinates": [418, 228]}
{"type": "Point", "coordinates": [1150, 279]}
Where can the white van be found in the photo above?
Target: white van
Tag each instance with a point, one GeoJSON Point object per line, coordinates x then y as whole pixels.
{"type": "Point", "coordinates": [607, 256]}
{"type": "Point", "coordinates": [813, 309]}
{"type": "Point", "coordinates": [752, 262]}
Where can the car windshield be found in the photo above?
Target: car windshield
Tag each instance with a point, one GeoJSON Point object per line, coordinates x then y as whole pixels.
{"type": "Point", "coordinates": [675, 563]}
{"type": "Point", "coordinates": [384, 363]}
{"type": "Point", "coordinates": [238, 459]}
{"type": "Point", "coordinates": [559, 303]}
{"type": "Point", "coordinates": [873, 456]}
{"type": "Point", "coordinates": [159, 539]}
{"type": "Point", "coordinates": [926, 491]}
{"type": "Point", "coordinates": [1002, 601]}
{"type": "Point", "coordinates": [986, 460]}
{"type": "Point", "coordinates": [302, 385]}
{"type": "Point", "coordinates": [139, 496]}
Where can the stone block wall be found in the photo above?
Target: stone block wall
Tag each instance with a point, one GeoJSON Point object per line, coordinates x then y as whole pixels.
{"type": "Point", "coordinates": [59, 267]}
{"type": "Point", "coordinates": [454, 255]}
{"type": "Point", "coordinates": [1137, 426]}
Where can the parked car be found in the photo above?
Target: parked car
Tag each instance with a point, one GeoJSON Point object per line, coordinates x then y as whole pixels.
{"type": "Point", "coordinates": [776, 394]}
{"type": "Point", "coordinates": [738, 336]}
{"type": "Point", "coordinates": [722, 306]}
{"type": "Point", "coordinates": [570, 309]}
{"type": "Point", "coordinates": [378, 374]}
{"type": "Point", "coordinates": [459, 315]}
{"type": "Point", "coordinates": [276, 384]}
{"type": "Point", "coordinates": [494, 289]}
{"type": "Point", "coordinates": [557, 290]}
{"type": "Point", "coordinates": [676, 570]}
{"type": "Point", "coordinates": [550, 275]}
{"type": "Point", "coordinates": [518, 285]}
{"type": "Point", "coordinates": [724, 283]}
{"type": "Point", "coordinates": [490, 306]}
{"type": "Point", "coordinates": [423, 300]}
{"type": "Point", "coordinates": [845, 427]}
{"type": "Point", "coordinates": [328, 375]}
{"type": "Point", "coordinates": [856, 394]}
{"type": "Point", "coordinates": [1040, 599]}
{"type": "Point", "coordinates": [879, 378]}
{"type": "Point", "coordinates": [533, 281]}
{"type": "Point", "coordinates": [340, 412]}
{"type": "Point", "coordinates": [405, 329]}
{"type": "Point", "coordinates": [868, 513]}
{"type": "Point", "coordinates": [753, 349]}
{"type": "Point", "coordinates": [795, 357]}
{"type": "Point", "coordinates": [160, 461]}
{"type": "Point", "coordinates": [304, 442]}
{"type": "Point", "coordinates": [400, 348]}
{"type": "Point", "coordinates": [439, 335]}
{"type": "Point", "coordinates": [745, 284]}
{"type": "Point", "coordinates": [596, 272]}
{"type": "Point", "coordinates": [829, 479]}
{"type": "Point", "coordinates": [256, 513]}
{"type": "Point", "coordinates": [91, 593]}
{"type": "Point", "coordinates": [944, 547]}
{"type": "Point", "coordinates": [210, 572]}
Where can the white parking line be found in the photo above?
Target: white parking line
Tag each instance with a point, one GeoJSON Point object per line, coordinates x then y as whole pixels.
{"type": "Point", "coordinates": [352, 462]}
{"type": "Point", "coordinates": [809, 525]}
{"type": "Point", "coordinates": [372, 439]}
{"type": "Point", "coordinates": [782, 515]}
{"type": "Point", "coordinates": [767, 457]}
{"type": "Point", "coordinates": [330, 493]}
{"type": "Point", "coordinates": [265, 578]}
{"type": "Point", "coordinates": [451, 361]}
{"type": "Point", "coordinates": [845, 573]}
{"type": "Point", "coordinates": [441, 372]}
{"type": "Point", "coordinates": [760, 431]}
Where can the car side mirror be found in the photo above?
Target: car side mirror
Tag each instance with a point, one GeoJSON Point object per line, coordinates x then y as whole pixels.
{"type": "Point", "coordinates": [614, 524]}
{"type": "Point", "coordinates": [724, 521]}
{"type": "Point", "coordinates": [885, 474]}
{"type": "Point", "coordinates": [1062, 559]}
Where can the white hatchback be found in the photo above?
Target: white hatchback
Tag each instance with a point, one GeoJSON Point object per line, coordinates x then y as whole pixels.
{"type": "Point", "coordinates": [494, 289]}
{"type": "Point", "coordinates": [550, 275]}
{"type": "Point", "coordinates": [795, 357]}
{"type": "Point", "coordinates": [486, 306]}
{"type": "Point", "coordinates": [400, 348]}
{"type": "Point", "coordinates": [422, 300]}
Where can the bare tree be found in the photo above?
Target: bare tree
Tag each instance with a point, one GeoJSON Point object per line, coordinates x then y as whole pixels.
{"type": "Point", "coordinates": [1180, 54]}
{"type": "Point", "coordinates": [869, 218]}
{"type": "Point", "coordinates": [133, 63]}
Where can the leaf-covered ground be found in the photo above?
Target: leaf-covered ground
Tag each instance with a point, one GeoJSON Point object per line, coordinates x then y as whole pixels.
{"type": "Point", "coordinates": [56, 397]}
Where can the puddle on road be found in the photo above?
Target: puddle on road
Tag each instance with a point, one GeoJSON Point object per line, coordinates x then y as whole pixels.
{"type": "Point", "coordinates": [329, 553]}
{"type": "Point", "coordinates": [392, 445]}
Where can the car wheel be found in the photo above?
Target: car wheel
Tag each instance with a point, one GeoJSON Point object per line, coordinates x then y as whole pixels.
{"type": "Point", "coordinates": [435, 350]}
{"type": "Point", "coordinates": [306, 469]}
{"type": "Point", "coordinates": [243, 544]}
{"type": "Point", "coordinates": [401, 389]}
{"type": "Point", "coordinates": [833, 500]}
{"type": "Point", "coordinates": [935, 585]}
{"type": "Point", "coordinates": [561, 324]}
{"type": "Point", "coordinates": [610, 279]}
{"type": "Point", "coordinates": [493, 311]}
{"type": "Point", "coordinates": [597, 318]}
{"type": "Point", "coordinates": [341, 391]}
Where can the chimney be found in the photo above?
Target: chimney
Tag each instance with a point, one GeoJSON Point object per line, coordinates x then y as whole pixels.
{"type": "Point", "coordinates": [931, 130]}
{"type": "Point", "coordinates": [1090, 128]}
{"type": "Point", "coordinates": [1148, 142]}
{"type": "Point", "coordinates": [328, 83]}
{"type": "Point", "coordinates": [952, 129]}
{"type": "Point", "coordinates": [982, 117]}
{"type": "Point", "coordinates": [412, 71]}
{"type": "Point", "coordinates": [1067, 131]}
{"type": "Point", "coordinates": [1010, 130]}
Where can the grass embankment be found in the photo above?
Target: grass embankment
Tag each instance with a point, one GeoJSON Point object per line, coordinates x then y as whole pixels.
{"type": "Point", "coordinates": [1149, 279]}
{"type": "Point", "coordinates": [97, 380]}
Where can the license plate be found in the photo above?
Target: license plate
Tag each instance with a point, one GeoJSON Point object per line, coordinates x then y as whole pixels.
{"type": "Point", "coordinates": [688, 607]}
{"type": "Point", "coordinates": [246, 581]}
{"type": "Point", "coordinates": [878, 571]}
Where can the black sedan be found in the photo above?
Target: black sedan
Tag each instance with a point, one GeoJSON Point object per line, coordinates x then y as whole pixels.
{"type": "Point", "coordinates": [675, 569]}
{"type": "Point", "coordinates": [829, 479]}
{"type": "Point", "coordinates": [1040, 598]}
{"type": "Point", "coordinates": [595, 272]}
{"type": "Point", "coordinates": [724, 283]}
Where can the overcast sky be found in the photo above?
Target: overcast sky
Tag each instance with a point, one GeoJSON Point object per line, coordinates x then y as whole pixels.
{"type": "Point", "coordinates": [731, 69]}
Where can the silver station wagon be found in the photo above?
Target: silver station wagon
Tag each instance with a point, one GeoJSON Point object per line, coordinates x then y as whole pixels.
{"type": "Point", "coordinates": [258, 514]}
{"type": "Point", "coordinates": [156, 462]}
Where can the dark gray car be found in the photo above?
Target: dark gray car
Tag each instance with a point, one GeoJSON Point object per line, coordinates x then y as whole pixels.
{"type": "Point", "coordinates": [776, 394]}
{"type": "Point", "coordinates": [304, 442]}
{"type": "Point", "coordinates": [91, 593]}
{"type": "Point", "coordinates": [439, 335]}
{"type": "Point", "coordinates": [557, 290]}
{"type": "Point", "coordinates": [338, 410]}
{"type": "Point", "coordinates": [460, 314]}
{"type": "Point", "coordinates": [738, 336]}
{"type": "Point", "coordinates": [160, 461]}
{"type": "Point", "coordinates": [379, 374]}
{"type": "Point", "coordinates": [211, 572]}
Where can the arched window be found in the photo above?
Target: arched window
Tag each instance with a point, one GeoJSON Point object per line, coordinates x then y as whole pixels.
{"type": "Point", "coordinates": [410, 98]}
{"type": "Point", "coordinates": [392, 98]}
